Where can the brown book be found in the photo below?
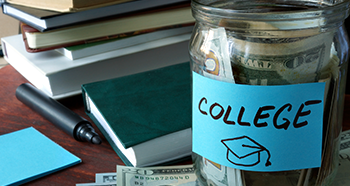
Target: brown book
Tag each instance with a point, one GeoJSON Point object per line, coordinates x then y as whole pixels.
{"type": "Point", "coordinates": [26, 28]}
{"type": "Point", "coordinates": [65, 5]}
{"type": "Point", "coordinates": [145, 22]}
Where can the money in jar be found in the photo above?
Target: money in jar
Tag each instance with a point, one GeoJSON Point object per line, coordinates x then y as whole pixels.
{"type": "Point", "coordinates": [268, 91]}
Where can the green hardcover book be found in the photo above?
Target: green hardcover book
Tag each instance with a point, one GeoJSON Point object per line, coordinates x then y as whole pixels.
{"type": "Point", "coordinates": [145, 117]}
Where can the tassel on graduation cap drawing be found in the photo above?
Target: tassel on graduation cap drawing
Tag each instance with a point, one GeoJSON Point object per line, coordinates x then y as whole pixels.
{"type": "Point", "coordinates": [244, 151]}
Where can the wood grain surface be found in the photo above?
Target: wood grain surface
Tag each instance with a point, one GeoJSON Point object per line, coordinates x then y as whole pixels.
{"type": "Point", "coordinates": [15, 116]}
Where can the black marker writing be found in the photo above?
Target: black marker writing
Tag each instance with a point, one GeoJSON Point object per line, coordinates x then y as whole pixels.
{"type": "Point", "coordinates": [217, 111]}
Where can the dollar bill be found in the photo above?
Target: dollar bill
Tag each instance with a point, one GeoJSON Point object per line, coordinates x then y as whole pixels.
{"type": "Point", "coordinates": [109, 177]}
{"type": "Point", "coordinates": [219, 175]}
{"type": "Point", "coordinates": [342, 178]}
{"type": "Point", "coordinates": [96, 184]}
{"type": "Point", "coordinates": [102, 179]}
{"type": "Point", "coordinates": [217, 64]}
{"type": "Point", "coordinates": [345, 138]}
{"type": "Point", "coordinates": [156, 176]}
{"type": "Point", "coordinates": [271, 61]}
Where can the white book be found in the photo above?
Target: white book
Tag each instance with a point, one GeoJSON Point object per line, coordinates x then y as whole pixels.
{"type": "Point", "coordinates": [84, 50]}
{"type": "Point", "coordinates": [60, 77]}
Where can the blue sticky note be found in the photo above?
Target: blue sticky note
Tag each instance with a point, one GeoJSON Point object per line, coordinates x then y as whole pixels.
{"type": "Point", "coordinates": [27, 154]}
{"type": "Point", "coordinates": [258, 128]}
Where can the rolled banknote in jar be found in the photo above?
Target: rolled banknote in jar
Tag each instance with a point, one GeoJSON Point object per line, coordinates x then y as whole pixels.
{"type": "Point", "coordinates": [277, 61]}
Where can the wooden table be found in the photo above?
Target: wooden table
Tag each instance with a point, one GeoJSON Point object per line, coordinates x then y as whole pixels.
{"type": "Point", "coordinates": [96, 158]}
{"type": "Point", "coordinates": [15, 116]}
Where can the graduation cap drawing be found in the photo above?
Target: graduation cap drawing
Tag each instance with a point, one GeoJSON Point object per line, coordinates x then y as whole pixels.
{"type": "Point", "coordinates": [244, 151]}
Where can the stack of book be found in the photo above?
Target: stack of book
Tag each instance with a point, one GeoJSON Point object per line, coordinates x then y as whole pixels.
{"type": "Point", "coordinates": [64, 44]}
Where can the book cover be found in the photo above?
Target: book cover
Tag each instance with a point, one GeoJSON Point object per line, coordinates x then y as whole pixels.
{"type": "Point", "coordinates": [60, 77]}
{"type": "Point", "coordinates": [144, 108]}
{"type": "Point", "coordinates": [27, 154]}
{"type": "Point", "coordinates": [111, 27]}
{"type": "Point", "coordinates": [45, 20]}
{"type": "Point", "coordinates": [65, 5]}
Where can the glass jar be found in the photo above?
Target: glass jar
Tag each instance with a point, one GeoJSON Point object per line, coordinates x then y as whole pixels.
{"type": "Point", "coordinates": [268, 91]}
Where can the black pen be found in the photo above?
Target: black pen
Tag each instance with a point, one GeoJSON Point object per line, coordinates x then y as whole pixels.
{"type": "Point", "coordinates": [56, 113]}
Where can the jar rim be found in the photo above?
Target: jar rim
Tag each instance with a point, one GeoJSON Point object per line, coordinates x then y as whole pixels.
{"type": "Point", "coordinates": [241, 13]}
{"type": "Point", "coordinates": [320, 16]}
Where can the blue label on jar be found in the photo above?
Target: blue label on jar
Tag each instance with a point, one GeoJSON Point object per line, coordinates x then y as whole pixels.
{"type": "Point", "coordinates": [258, 128]}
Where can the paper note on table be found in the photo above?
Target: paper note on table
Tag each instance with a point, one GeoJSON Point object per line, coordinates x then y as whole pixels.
{"type": "Point", "coordinates": [27, 155]}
